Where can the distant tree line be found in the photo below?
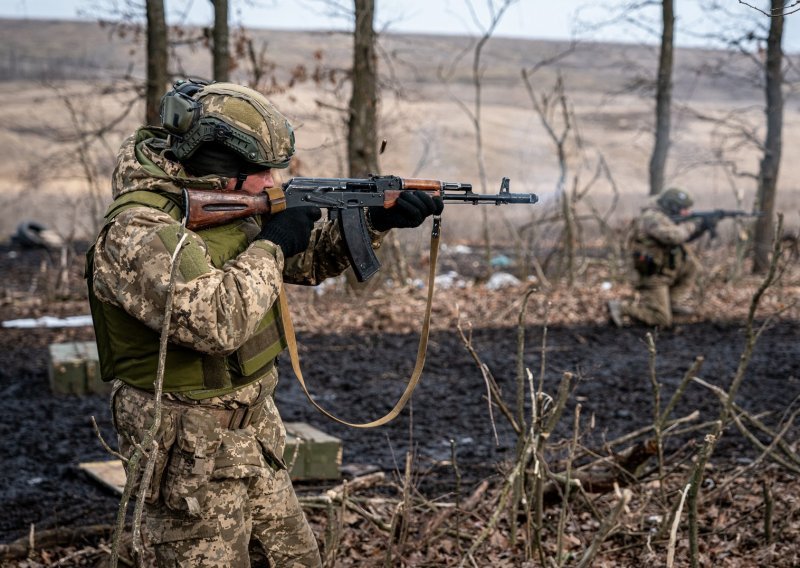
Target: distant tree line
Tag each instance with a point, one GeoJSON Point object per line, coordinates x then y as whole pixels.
{"type": "Point", "coordinates": [16, 66]}
{"type": "Point", "coordinates": [362, 110]}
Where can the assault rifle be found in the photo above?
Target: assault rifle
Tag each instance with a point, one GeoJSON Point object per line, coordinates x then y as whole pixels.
{"type": "Point", "coordinates": [709, 219]}
{"type": "Point", "coordinates": [345, 200]}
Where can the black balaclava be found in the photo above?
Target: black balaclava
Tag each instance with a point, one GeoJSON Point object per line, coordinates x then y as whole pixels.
{"type": "Point", "coordinates": [215, 159]}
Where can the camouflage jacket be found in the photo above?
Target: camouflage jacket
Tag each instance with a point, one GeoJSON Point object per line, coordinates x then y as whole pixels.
{"type": "Point", "coordinates": [214, 310]}
{"type": "Point", "coordinates": [654, 228]}
{"type": "Point", "coordinates": [657, 243]}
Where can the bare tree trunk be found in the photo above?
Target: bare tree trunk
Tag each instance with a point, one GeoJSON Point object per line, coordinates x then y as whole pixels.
{"type": "Point", "coordinates": [156, 59]}
{"type": "Point", "coordinates": [221, 49]}
{"type": "Point", "coordinates": [362, 145]}
{"type": "Point", "coordinates": [497, 14]}
{"type": "Point", "coordinates": [663, 100]}
{"type": "Point", "coordinates": [770, 163]}
{"type": "Point", "coordinates": [362, 123]}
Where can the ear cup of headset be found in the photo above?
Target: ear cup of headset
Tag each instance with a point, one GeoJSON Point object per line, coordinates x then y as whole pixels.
{"type": "Point", "coordinates": [179, 110]}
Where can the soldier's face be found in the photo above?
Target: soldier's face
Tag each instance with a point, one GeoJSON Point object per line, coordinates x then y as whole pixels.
{"type": "Point", "coordinates": [255, 183]}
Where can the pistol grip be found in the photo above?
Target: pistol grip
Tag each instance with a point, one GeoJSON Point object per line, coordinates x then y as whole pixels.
{"type": "Point", "coordinates": [354, 229]}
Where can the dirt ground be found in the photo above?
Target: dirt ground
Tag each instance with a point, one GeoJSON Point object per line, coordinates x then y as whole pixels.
{"type": "Point", "coordinates": [357, 373]}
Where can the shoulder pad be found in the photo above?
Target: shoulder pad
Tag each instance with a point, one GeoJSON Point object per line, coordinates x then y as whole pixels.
{"type": "Point", "coordinates": [170, 204]}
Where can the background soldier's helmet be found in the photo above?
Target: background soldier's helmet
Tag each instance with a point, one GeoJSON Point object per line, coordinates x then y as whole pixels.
{"type": "Point", "coordinates": [672, 200]}
{"type": "Point", "coordinates": [237, 118]}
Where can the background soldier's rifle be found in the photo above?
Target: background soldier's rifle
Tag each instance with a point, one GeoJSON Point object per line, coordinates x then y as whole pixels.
{"type": "Point", "coordinates": [344, 198]}
{"type": "Point", "coordinates": [709, 219]}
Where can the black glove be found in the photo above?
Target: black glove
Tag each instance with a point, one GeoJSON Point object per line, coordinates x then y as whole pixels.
{"type": "Point", "coordinates": [291, 229]}
{"type": "Point", "coordinates": [410, 210]}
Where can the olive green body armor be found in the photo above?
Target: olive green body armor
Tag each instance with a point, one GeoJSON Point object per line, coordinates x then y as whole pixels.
{"type": "Point", "coordinates": [129, 350]}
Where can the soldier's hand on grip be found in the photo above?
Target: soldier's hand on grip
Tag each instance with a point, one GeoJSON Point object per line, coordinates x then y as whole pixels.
{"type": "Point", "coordinates": [410, 210]}
{"type": "Point", "coordinates": [703, 225]}
{"type": "Point", "coordinates": [291, 229]}
{"type": "Point", "coordinates": [707, 224]}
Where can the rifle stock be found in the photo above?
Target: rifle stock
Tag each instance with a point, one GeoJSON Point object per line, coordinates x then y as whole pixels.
{"type": "Point", "coordinates": [208, 208]}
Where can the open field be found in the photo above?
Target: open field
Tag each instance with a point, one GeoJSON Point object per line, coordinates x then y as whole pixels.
{"type": "Point", "coordinates": [65, 81]}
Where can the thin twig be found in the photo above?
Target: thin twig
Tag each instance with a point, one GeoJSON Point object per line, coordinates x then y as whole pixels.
{"type": "Point", "coordinates": [134, 461]}
{"type": "Point", "coordinates": [605, 529]}
{"type": "Point", "coordinates": [491, 384]}
{"type": "Point", "coordinates": [690, 374]}
{"type": "Point", "coordinates": [694, 493]}
{"type": "Point", "coordinates": [785, 11]}
{"type": "Point", "coordinates": [107, 448]}
{"type": "Point", "coordinates": [673, 533]}
{"type": "Point", "coordinates": [562, 519]}
{"type": "Point", "coordinates": [503, 501]}
{"type": "Point", "coordinates": [657, 424]}
{"type": "Point", "coordinates": [765, 450]}
{"type": "Point", "coordinates": [769, 507]}
{"type": "Point", "coordinates": [458, 495]}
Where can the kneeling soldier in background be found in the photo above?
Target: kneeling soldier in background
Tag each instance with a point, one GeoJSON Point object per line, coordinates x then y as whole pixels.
{"type": "Point", "coordinates": [666, 268]}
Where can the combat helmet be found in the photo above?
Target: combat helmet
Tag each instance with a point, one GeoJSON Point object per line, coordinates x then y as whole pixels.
{"type": "Point", "coordinates": [673, 200]}
{"type": "Point", "coordinates": [230, 117]}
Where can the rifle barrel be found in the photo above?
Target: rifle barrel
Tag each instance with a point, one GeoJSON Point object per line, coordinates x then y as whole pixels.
{"type": "Point", "coordinates": [497, 198]}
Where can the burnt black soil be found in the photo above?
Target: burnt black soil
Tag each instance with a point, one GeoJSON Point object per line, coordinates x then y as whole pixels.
{"type": "Point", "coordinates": [43, 436]}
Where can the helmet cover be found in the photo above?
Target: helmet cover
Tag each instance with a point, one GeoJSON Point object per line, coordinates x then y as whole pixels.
{"type": "Point", "coordinates": [242, 120]}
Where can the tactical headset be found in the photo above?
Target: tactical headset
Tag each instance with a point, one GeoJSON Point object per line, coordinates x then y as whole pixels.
{"type": "Point", "coordinates": [183, 116]}
{"type": "Point", "coordinates": [179, 110]}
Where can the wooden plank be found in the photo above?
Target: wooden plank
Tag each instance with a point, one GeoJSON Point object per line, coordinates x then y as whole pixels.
{"type": "Point", "coordinates": [110, 473]}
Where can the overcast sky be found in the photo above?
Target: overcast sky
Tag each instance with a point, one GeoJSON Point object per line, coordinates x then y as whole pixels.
{"type": "Point", "coordinates": [539, 19]}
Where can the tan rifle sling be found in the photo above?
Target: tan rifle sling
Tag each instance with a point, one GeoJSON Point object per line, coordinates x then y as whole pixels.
{"type": "Point", "coordinates": [291, 341]}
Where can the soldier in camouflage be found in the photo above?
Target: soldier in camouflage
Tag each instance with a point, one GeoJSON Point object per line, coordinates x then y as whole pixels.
{"type": "Point", "coordinates": [220, 487]}
{"type": "Point", "coordinates": [666, 269]}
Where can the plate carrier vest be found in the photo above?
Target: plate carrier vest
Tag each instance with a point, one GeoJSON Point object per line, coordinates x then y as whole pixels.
{"type": "Point", "coordinates": [129, 350]}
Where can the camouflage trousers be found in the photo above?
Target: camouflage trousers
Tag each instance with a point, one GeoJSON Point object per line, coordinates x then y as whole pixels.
{"type": "Point", "coordinates": [659, 293]}
{"type": "Point", "coordinates": [216, 493]}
